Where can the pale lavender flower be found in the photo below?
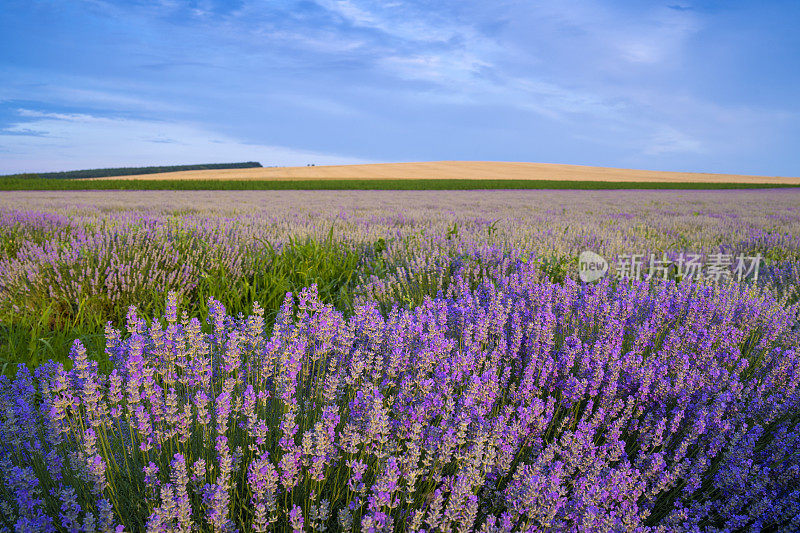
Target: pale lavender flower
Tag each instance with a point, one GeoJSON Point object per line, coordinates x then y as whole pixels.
{"type": "Point", "coordinates": [180, 480]}
{"type": "Point", "coordinates": [296, 519]}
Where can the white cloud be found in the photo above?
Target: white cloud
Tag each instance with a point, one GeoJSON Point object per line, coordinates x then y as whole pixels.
{"type": "Point", "coordinates": [421, 45]}
{"type": "Point", "coordinates": [112, 99]}
{"type": "Point", "coordinates": [90, 93]}
{"type": "Point", "coordinates": [398, 20]}
{"type": "Point", "coordinates": [669, 140]}
{"type": "Point", "coordinates": [468, 66]}
{"type": "Point", "coordinates": [651, 36]}
{"type": "Point", "coordinates": [444, 68]}
{"type": "Point", "coordinates": [72, 141]}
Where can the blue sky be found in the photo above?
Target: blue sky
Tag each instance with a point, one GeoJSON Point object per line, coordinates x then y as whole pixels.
{"type": "Point", "coordinates": [673, 85]}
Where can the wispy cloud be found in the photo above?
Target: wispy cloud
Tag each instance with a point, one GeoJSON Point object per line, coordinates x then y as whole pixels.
{"type": "Point", "coordinates": [23, 131]}
{"type": "Point", "coordinates": [81, 140]}
{"type": "Point", "coordinates": [669, 140]}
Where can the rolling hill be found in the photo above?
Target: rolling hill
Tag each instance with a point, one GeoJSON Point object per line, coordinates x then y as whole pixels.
{"type": "Point", "coordinates": [461, 170]}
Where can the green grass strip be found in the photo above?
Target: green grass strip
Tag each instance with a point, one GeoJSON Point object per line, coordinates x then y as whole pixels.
{"type": "Point", "coordinates": [28, 184]}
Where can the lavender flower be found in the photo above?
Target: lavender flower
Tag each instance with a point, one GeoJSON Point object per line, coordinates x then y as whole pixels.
{"type": "Point", "coordinates": [497, 402]}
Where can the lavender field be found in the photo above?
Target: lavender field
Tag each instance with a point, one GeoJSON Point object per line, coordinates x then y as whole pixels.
{"type": "Point", "coordinates": [421, 361]}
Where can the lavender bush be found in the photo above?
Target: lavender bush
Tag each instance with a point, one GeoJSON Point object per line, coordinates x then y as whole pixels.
{"type": "Point", "coordinates": [514, 406]}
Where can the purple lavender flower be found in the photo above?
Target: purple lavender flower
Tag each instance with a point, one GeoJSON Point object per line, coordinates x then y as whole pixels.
{"type": "Point", "coordinates": [296, 519]}
{"type": "Point", "coordinates": [503, 403]}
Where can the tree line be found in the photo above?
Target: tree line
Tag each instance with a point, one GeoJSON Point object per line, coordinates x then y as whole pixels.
{"type": "Point", "coordinates": [130, 171]}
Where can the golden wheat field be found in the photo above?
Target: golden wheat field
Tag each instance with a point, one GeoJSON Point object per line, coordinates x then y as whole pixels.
{"type": "Point", "coordinates": [462, 170]}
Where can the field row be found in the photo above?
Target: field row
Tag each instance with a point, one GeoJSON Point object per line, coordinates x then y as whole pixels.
{"type": "Point", "coordinates": [65, 272]}
{"type": "Point", "coordinates": [68, 184]}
